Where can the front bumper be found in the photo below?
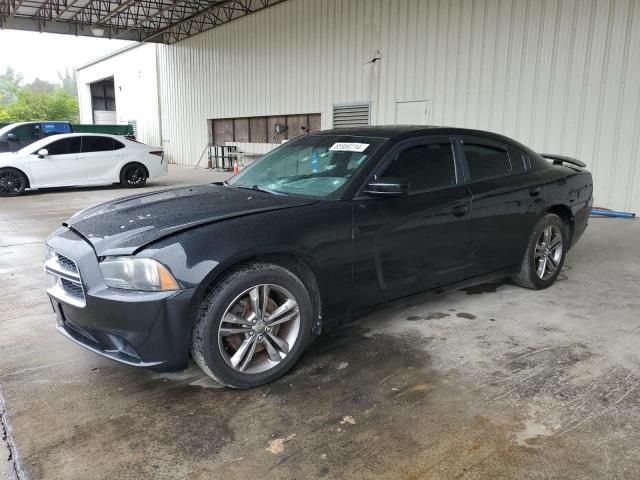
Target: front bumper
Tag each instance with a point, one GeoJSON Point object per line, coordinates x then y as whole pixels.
{"type": "Point", "coordinates": [145, 329]}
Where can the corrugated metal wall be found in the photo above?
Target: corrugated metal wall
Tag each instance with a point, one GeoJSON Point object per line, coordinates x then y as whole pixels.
{"type": "Point", "coordinates": [562, 76]}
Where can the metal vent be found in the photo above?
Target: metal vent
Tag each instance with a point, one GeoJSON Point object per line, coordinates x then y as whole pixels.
{"type": "Point", "coordinates": [351, 115]}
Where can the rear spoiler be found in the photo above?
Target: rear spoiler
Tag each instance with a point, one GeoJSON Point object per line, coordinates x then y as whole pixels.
{"type": "Point", "coordinates": [560, 159]}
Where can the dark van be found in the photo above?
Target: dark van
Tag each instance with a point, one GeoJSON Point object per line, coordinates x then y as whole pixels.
{"type": "Point", "coordinates": [18, 135]}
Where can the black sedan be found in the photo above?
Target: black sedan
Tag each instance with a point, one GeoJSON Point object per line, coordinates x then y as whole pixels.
{"type": "Point", "coordinates": [241, 275]}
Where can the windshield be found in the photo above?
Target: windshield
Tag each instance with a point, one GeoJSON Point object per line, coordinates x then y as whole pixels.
{"type": "Point", "coordinates": [8, 128]}
{"type": "Point", "coordinates": [316, 166]}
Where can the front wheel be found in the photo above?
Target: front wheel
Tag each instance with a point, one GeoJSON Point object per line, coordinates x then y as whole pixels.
{"type": "Point", "coordinates": [133, 175]}
{"type": "Point", "coordinates": [253, 326]}
{"type": "Point", "coordinates": [545, 254]}
{"type": "Point", "coordinates": [12, 182]}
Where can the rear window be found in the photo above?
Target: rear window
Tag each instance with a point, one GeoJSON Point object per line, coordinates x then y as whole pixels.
{"type": "Point", "coordinates": [484, 161]}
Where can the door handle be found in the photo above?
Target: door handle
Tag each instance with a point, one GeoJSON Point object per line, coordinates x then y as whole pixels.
{"type": "Point", "coordinates": [459, 211]}
{"type": "Point", "coordinates": [535, 191]}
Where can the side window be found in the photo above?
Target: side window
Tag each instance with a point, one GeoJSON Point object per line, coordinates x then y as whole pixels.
{"type": "Point", "coordinates": [96, 144]}
{"type": "Point", "coordinates": [64, 146]}
{"type": "Point", "coordinates": [519, 160]}
{"type": "Point", "coordinates": [54, 128]}
{"type": "Point", "coordinates": [34, 131]}
{"type": "Point", "coordinates": [117, 145]}
{"type": "Point", "coordinates": [21, 132]}
{"type": "Point", "coordinates": [425, 166]}
{"type": "Point", "coordinates": [484, 161]}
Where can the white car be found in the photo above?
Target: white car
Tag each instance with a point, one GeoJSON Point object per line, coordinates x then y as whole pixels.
{"type": "Point", "coordinates": [79, 159]}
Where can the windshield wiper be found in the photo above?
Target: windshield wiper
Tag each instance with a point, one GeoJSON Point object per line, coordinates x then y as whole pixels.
{"type": "Point", "coordinates": [261, 189]}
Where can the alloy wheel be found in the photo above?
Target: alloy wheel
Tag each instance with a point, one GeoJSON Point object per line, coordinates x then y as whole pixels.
{"type": "Point", "coordinates": [259, 328]}
{"type": "Point", "coordinates": [135, 176]}
{"type": "Point", "coordinates": [548, 254]}
{"type": "Point", "coordinates": [11, 182]}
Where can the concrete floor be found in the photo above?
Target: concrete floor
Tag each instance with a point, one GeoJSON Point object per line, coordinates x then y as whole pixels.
{"type": "Point", "coordinates": [492, 382]}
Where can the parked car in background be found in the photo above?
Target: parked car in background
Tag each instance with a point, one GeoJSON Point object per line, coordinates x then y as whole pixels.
{"type": "Point", "coordinates": [15, 136]}
{"type": "Point", "coordinates": [79, 159]}
{"type": "Point", "coordinates": [242, 274]}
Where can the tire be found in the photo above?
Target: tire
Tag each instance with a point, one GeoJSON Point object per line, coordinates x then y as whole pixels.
{"type": "Point", "coordinates": [12, 182]}
{"type": "Point", "coordinates": [225, 350]}
{"type": "Point", "coordinates": [544, 258]}
{"type": "Point", "coordinates": [133, 175]}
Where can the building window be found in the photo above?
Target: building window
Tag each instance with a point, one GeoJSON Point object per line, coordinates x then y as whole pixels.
{"type": "Point", "coordinates": [351, 115]}
{"type": "Point", "coordinates": [262, 129]}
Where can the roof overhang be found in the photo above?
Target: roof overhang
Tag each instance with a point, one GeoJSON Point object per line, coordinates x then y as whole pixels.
{"type": "Point", "coordinates": [161, 21]}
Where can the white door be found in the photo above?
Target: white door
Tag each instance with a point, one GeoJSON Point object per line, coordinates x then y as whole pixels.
{"type": "Point", "coordinates": [105, 117]}
{"type": "Point", "coordinates": [100, 158]}
{"type": "Point", "coordinates": [62, 166]}
{"type": "Point", "coordinates": [412, 113]}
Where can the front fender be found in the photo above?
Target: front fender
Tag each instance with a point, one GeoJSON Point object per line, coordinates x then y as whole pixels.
{"type": "Point", "coordinates": [318, 234]}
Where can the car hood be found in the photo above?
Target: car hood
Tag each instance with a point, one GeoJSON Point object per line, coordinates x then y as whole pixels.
{"type": "Point", "coordinates": [123, 226]}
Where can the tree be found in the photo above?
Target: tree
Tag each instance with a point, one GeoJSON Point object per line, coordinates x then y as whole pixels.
{"type": "Point", "coordinates": [39, 100]}
{"type": "Point", "coordinates": [9, 86]}
{"type": "Point", "coordinates": [69, 83]}
{"type": "Point", "coordinates": [54, 105]}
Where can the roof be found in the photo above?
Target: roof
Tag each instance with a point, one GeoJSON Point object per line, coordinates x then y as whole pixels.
{"type": "Point", "coordinates": [400, 131]}
{"type": "Point", "coordinates": [160, 21]}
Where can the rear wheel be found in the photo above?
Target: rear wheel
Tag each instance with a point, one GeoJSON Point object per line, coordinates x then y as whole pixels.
{"type": "Point", "coordinates": [545, 254]}
{"type": "Point", "coordinates": [12, 182]}
{"type": "Point", "coordinates": [133, 175]}
{"type": "Point", "coordinates": [253, 326]}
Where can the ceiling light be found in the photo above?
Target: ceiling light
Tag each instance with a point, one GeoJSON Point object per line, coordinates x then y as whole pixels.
{"type": "Point", "coordinates": [97, 31]}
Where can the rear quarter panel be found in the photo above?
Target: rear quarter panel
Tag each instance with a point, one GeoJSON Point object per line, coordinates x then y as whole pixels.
{"type": "Point", "coordinates": [573, 188]}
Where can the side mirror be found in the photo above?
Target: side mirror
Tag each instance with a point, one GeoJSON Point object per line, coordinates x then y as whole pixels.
{"type": "Point", "coordinates": [389, 186]}
{"type": "Point", "coordinates": [12, 137]}
{"type": "Point", "coordinates": [43, 152]}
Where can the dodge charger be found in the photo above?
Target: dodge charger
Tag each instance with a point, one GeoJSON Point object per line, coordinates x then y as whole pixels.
{"type": "Point", "coordinates": [242, 275]}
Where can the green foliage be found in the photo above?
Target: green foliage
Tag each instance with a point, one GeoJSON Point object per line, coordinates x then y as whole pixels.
{"type": "Point", "coordinates": [39, 100]}
{"type": "Point", "coordinates": [9, 86]}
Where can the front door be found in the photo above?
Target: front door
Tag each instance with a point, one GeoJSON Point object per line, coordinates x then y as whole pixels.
{"type": "Point", "coordinates": [406, 244]}
{"type": "Point", "coordinates": [62, 165]}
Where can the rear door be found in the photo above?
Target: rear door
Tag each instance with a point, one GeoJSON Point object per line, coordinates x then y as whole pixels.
{"type": "Point", "coordinates": [100, 157]}
{"type": "Point", "coordinates": [507, 199]}
{"type": "Point", "coordinates": [62, 165]}
{"type": "Point", "coordinates": [406, 244]}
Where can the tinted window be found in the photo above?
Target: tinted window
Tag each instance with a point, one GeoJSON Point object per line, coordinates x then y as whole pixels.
{"type": "Point", "coordinates": [117, 145]}
{"type": "Point", "coordinates": [21, 132]}
{"type": "Point", "coordinates": [425, 166]}
{"type": "Point", "coordinates": [518, 161]}
{"type": "Point", "coordinates": [34, 131]}
{"type": "Point", "coordinates": [53, 128]}
{"type": "Point", "coordinates": [486, 162]}
{"type": "Point", "coordinates": [96, 144]}
{"type": "Point", "coordinates": [64, 146]}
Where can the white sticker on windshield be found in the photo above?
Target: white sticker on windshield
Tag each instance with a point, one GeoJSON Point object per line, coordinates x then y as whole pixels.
{"type": "Point", "coordinates": [349, 147]}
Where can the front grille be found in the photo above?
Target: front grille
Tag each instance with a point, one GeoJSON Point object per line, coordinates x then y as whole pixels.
{"type": "Point", "coordinates": [68, 264]}
{"type": "Point", "coordinates": [72, 288]}
{"type": "Point", "coordinates": [64, 279]}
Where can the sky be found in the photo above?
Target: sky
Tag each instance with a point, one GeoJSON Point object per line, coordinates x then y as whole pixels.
{"type": "Point", "coordinates": [43, 55]}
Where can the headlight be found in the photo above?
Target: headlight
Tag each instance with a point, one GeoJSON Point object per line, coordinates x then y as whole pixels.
{"type": "Point", "coordinates": [48, 253]}
{"type": "Point", "coordinates": [137, 274]}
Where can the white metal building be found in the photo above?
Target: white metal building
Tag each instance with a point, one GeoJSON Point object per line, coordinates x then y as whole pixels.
{"type": "Point", "coordinates": [120, 88]}
{"type": "Point", "coordinates": [562, 76]}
